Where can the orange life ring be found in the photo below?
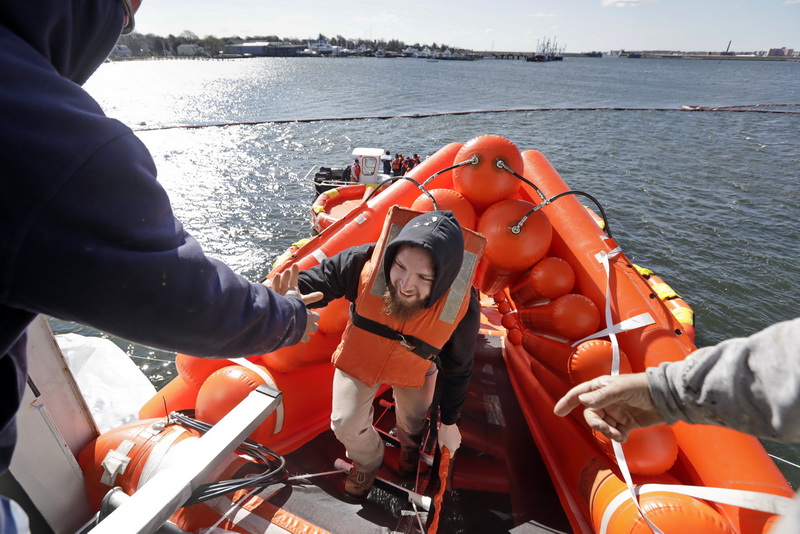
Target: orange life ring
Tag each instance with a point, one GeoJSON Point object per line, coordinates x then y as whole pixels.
{"type": "Point", "coordinates": [332, 204]}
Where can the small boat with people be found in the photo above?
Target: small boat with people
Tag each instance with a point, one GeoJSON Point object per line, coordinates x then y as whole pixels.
{"type": "Point", "coordinates": [561, 303]}
{"type": "Point", "coordinates": [368, 161]}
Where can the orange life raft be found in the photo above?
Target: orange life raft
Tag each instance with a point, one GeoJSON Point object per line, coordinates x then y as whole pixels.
{"type": "Point", "coordinates": [541, 267]}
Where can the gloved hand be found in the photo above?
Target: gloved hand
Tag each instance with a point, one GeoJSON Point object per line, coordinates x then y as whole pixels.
{"type": "Point", "coordinates": [450, 437]}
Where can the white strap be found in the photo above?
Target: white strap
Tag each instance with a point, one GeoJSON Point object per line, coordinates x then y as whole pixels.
{"type": "Point", "coordinates": [753, 500]}
{"type": "Point", "coordinates": [267, 380]}
{"type": "Point", "coordinates": [319, 255]}
{"type": "Point", "coordinates": [603, 258]}
{"type": "Point", "coordinates": [639, 321]}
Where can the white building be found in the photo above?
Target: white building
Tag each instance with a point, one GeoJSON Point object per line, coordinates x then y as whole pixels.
{"type": "Point", "coordinates": [191, 50]}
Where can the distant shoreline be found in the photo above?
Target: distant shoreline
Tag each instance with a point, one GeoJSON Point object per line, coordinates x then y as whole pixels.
{"type": "Point", "coordinates": [714, 57]}
{"type": "Point", "coordinates": [497, 55]}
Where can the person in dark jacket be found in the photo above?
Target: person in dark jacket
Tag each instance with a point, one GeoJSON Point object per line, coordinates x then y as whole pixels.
{"type": "Point", "coordinates": [420, 267]}
{"type": "Point", "coordinates": [86, 232]}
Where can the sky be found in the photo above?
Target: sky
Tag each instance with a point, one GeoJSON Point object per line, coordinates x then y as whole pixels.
{"type": "Point", "coordinates": [494, 25]}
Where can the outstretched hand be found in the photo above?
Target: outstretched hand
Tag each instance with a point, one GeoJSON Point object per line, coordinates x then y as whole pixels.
{"type": "Point", "coordinates": [615, 405]}
{"type": "Point", "coordinates": [285, 283]}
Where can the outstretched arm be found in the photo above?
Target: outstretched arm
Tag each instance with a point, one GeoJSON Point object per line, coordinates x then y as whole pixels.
{"type": "Point", "coordinates": [285, 283]}
{"type": "Point", "coordinates": [615, 405]}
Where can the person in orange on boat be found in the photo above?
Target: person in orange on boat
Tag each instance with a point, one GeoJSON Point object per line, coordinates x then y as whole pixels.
{"type": "Point", "coordinates": [748, 384]}
{"type": "Point", "coordinates": [397, 165]}
{"type": "Point", "coordinates": [392, 340]}
{"type": "Point", "coordinates": [355, 171]}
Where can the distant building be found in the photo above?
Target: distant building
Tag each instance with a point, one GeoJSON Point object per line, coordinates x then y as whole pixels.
{"type": "Point", "coordinates": [191, 50]}
{"type": "Point", "coordinates": [263, 48]}
{"type": "Point", "coordinates": [121, 50]}
{"type": "Point", "coordinates": [321, 47]}
{"type": "Point", "coordinates": [780, 52]}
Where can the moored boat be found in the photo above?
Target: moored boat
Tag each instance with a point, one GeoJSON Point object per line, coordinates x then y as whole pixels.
{"type": "Point", "coordinates": [369, 160]}
{"type": "Point", "coordinates": [561, 304]}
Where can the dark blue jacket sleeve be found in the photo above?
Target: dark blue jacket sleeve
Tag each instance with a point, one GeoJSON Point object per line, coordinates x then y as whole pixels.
{"type": "Point", "coordinates": [337, 276]}
{"type": "Point", "coordinates": [101, 246]}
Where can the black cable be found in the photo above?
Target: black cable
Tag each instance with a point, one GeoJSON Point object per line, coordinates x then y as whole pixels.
{"type": "Point", "coordinates": [545, 201]}
{"type": "Point", "coordinates": [274, 464]}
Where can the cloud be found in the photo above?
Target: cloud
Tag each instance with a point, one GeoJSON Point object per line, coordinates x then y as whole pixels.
{"type": "Point", "coordinates": [791, 2]}
{"type": "Point", "coordinates": [628, 3]}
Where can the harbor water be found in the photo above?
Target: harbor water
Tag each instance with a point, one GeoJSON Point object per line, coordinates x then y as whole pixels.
{"type": "Point", "coordinates": [706, 199]}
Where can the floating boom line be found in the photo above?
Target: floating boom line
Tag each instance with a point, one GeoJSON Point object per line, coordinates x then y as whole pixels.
{"type": "Point", "coordinates": [745, 108]}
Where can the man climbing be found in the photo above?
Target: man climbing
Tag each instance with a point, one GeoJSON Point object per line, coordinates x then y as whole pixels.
{"type": "Point", "coordinates": [413, 308]}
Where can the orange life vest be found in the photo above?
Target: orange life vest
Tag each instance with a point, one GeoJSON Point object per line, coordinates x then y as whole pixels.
{"type": "Point", "coordinates": [376, 359]}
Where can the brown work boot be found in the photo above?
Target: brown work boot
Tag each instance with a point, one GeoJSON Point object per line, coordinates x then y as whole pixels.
{"type": "Point", "coordinates": [408, 463]}
{"type": "Point", "coordinates": [358, 483]}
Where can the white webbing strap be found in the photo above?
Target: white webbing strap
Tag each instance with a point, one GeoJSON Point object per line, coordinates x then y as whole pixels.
{"type": "Point", "coordinates": [319, 255]}
{"type": "Point", "coordinates": [753, 500]}
{"type": "Point", "coordinates": [268, 381]}
{"type": "Point", "coordinates": [603, 258]}
{"type": "Point", "coordinates": [639, 321]}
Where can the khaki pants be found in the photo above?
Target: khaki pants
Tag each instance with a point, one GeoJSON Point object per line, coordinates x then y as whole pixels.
{"type": "Point", "coordinates": [352, 416]}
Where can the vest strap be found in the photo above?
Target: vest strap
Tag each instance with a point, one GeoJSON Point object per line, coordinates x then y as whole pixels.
{"type": "Point", "coordinates": [413, 344]}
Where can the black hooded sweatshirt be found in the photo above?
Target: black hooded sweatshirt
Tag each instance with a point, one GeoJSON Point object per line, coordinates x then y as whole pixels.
{"type": "Point", "coordinates": [86, 232]}
{"type": "Point", "coordinates": [439, 233]}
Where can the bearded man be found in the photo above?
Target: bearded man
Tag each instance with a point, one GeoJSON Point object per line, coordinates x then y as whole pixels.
{"type": "Point", "coordinates": [413, 314]}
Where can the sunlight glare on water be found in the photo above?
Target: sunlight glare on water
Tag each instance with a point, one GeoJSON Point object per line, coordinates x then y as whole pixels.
{"type": "Point", "coordinates": [707, 200]}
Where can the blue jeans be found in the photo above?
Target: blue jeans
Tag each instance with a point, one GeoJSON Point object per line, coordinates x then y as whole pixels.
{"type": "Point", "coordinates": [13, 519]}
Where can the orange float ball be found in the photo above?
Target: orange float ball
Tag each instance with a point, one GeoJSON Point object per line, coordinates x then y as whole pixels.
{"type": "Point", "coordinates": [514, 252]}
{"type": "Point", "coordinates": [514, 336]}
{"type": "Point", "coordinates": [572, 316]}
{"type": "Point", "coordinates": [592, 359]}
{"type": "Point", "coordinates": [484, 183]}
{"type": "Point", "coordinates": [550, 278]}
{"type": "Point", "coordinates": [447, 199]}
{"type": "Point", "coordinates": [509, 321]}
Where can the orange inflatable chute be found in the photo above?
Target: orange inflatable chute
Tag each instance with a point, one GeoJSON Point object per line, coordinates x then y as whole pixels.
{"type": "Point", "coordinates": [553, 352]}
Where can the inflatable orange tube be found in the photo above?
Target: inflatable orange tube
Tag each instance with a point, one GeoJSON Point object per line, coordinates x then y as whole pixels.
{"type": "Point", "coordinates": [575, 467]}
{"type": "Point", "coordinates": [304, 412]}
{"type": "Point", "coordinates": [577, 239]}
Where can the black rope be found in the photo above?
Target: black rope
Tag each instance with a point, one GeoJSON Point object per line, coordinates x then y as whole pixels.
{"type": "Point", "coordinates": [745, 108]}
